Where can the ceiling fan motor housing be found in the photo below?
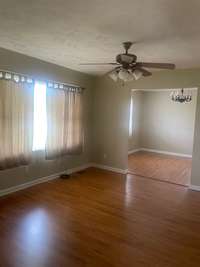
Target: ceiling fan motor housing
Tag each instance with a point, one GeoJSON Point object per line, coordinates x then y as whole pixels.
{"type": "Point", "coordinates": [126, 59]}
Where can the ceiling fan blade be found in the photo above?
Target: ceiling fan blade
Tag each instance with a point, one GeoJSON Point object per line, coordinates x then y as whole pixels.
{"type": "Point", "coordinates": [110, 63]}
{"type": "Point", "coordinates": [144, 72]}
{"type": "Point", "coordinates": [156, 65]}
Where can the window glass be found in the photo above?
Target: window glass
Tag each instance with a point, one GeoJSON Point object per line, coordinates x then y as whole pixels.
{"type": "Point", "coordinates": [40, 117]}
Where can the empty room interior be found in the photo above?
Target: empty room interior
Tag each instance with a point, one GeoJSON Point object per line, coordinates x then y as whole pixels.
{"type": "Point", "coordinates": [161, 135]}
{"type": "Point", "coordinates": [100, 133]}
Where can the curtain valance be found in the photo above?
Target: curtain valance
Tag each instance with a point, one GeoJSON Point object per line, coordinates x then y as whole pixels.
{"type": "Point", "coordinates": [20, 78]}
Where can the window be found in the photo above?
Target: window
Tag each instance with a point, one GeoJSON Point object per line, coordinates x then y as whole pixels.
{"type": "Point", "coordinates": [37, 115]}
{"type": "Point", "coordinates": [40, 117]}
{"type": "Point", "coordinates": [62, 110]}
{"type": "Point", "coordinates": [131, 117]}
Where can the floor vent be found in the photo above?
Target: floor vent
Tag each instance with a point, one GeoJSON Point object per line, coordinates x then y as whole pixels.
{"type": "Point", "coordinates": [64, 176]}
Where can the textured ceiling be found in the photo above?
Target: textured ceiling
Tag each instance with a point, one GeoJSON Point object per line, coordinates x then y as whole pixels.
{"type": "Point", "coordinates": [68, 32]}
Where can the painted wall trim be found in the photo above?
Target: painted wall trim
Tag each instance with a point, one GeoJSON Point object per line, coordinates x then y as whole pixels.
{"type": "Point", "coordinates": [162, 152]}
{"type": "Point", "coordinates": [167, 152]}
{"type": "Point", "coordinates": [133, 151]}
{"type": "Point", "coordinates": [109, 168]}
{"type": "Point", "coordinates": [56, 175]}
{"type": "Point", "coordinates": [194, 187]}
{"type": "Point", "coordinates": [29, 184]}
{"type": "Point", "coordinates": [164, 89]}
{"type": "Point", "coordinates": [42, 180]}
{"type": "Point", "coordinates": [79, 168]}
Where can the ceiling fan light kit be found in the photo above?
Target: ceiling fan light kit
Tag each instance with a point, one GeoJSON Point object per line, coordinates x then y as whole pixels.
{"type": "Point", "coordinates": [137, 74]}
{"type": "Point", "coordinates": [113, 75]}
{"type": "Point", "coordinates": [127, 68]}
{"type": "Point", "coordinates": [125, 75]}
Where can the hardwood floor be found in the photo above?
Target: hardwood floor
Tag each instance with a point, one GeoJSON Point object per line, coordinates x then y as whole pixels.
{"type": "Point", "coordinates": [161, 167]}
{"type": "Point", "coordinates": [101, 219]}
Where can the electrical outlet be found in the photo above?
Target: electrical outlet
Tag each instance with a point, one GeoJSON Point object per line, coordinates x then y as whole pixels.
{"type": "Point", "coordinates": [104, 155]}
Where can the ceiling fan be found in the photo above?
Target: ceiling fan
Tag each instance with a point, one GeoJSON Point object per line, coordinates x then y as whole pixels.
{"type": "Point", "coordinates": [127, 68]}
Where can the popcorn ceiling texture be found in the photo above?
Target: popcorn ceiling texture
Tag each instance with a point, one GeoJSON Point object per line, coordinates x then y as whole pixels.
{"type": "Point", "coordinates": [71, 32]}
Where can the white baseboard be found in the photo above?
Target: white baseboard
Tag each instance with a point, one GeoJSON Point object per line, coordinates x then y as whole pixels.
{"type": "Point", "coordinates": [161, 152]}
{"type": "Point", "coordinates": [56, 175]}
{"type": "Point", "coordinates": [134, 151]}
{"type": "Point", "coordinates": [42, 180]}
{"type": "Point", "coordinates": [167, 152]}
{"type": "Point", "coordinates": [79, 168]}
{"type": "Point", "coordinates": [95, 165]}
{"type": "Point", "coordinates": [109, 168]}
{"type": "Point", "coordinates": [194, 187]}
{"type": "Point", "coordinates": [29, 184]}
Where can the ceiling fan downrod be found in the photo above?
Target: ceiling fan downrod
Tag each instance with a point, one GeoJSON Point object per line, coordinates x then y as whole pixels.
{"type": "Point", "coordinates": [127, 46]}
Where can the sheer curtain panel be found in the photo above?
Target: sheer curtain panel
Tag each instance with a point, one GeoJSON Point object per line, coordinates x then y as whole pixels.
{"type": "Point", "coordinates": [64, 123]}
{"type": "Point", "coordinates": [16, 123]}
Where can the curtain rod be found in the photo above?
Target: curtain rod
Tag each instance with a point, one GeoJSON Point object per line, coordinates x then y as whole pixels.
{"type": "Point", "coordinates": [51, 81]}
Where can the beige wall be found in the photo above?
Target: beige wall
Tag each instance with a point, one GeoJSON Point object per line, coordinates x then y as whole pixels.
{"type": "Point", "coordinates": [161, 124]}
{"type": "Point", "coordinates": [110, 115]}
{"type": "Point", "coordinates": [135, 138]}
{"type": "Point", "coordinates": [110, 124]}
{"type": "Point", "coordinates": [195, 177]}
{"type": "Point", "coordinates": [167, 125]}
{"type": "Point", "coordinates": [43, 70]}
{"type": "Point", "coordinates": [105, 118]}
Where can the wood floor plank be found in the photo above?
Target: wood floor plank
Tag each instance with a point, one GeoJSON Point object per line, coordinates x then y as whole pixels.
{"type": "Point", "coordinates": [101, 219]}
{"type": "Point", "coordinates": [161, 167]}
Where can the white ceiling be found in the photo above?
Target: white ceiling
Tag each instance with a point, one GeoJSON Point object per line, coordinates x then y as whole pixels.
{"type": "Point", "coordinates": [69, 32]}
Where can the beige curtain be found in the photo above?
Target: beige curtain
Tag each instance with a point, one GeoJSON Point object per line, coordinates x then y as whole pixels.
{"type": "Point", "coordinates": [64, 123]}
{"type": "Point", "coordinates": [16, 123]}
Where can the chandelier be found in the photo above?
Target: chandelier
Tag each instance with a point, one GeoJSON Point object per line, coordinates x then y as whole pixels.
{"type": "Point", "coordinates": [125, 75]}
{"type": "Point", "coordinates": [181, 97]}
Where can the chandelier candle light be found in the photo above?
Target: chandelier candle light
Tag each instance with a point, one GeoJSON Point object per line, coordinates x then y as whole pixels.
{"type": "Point", "coordinates": [181, 97]}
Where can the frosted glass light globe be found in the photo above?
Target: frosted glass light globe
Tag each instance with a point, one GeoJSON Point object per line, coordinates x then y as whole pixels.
{"type": "Point", "coordinates": [125, 75]}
